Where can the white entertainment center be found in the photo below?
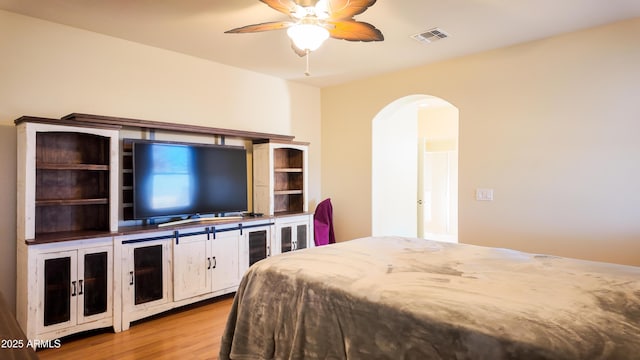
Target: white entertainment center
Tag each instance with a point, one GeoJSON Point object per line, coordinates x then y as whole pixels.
{"type": "Point", "coordinates": [81, 266]}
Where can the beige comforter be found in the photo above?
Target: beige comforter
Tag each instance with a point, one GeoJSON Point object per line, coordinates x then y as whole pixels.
{"type": "Point", "coordinates": [400, 298]}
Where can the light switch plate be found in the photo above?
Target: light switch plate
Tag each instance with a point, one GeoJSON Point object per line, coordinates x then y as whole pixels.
{"type": "Point", "coordinates": [484, 194]}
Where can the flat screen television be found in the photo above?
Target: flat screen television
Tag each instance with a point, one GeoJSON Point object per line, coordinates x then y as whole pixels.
{"type": "Point", "coordinates": [172, 179]}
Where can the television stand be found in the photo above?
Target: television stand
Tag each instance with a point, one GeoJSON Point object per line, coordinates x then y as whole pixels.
{"type": "Point", "coordinates": [199, 219]}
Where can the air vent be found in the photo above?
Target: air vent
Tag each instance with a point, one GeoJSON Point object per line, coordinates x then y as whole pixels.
{"type": "Point", "coordinates": [430, 36]}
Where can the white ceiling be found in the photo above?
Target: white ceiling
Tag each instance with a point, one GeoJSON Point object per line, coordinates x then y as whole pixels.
{"type": "Point", "coordinates": [196, 27]}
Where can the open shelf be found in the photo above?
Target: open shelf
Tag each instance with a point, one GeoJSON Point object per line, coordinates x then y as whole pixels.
{"type": "Point", "coordinates": [64, 218]}
{"type": "Point", "coordinates": [288, 203]}
{"type": "Point", "coordinates": [53, 166]}
{"type": "Point", "coordinates": [127, 179]}
{"type": "Point", "coordinates": [280, 177]}
{"type": "Point", "coordinates": [287, 192]}
{"type": "Point", "coordinates": [288, 170]}
{"type": "Point", "coordinates": [288, 180]}
{"type": "Point", "coordinates": [72, 183]}
{"type": "Point", "coordinates": [71, 202]}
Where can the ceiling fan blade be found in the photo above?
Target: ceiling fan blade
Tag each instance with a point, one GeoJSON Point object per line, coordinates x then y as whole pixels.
{"type": "Point", "coordinates": [346, 9]}
{"type": "Point", "coordinates": [355, 31]}
{"type": "Point", "coordinates": [275, 25]}
{"type": "Point", "coordinates": [306, 3]}
{"type": "Point", "coordinates": [283, 6]}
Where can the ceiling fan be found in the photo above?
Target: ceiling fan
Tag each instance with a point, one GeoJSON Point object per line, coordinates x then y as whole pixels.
{"type": "Point", "coordinates": [313, 21]}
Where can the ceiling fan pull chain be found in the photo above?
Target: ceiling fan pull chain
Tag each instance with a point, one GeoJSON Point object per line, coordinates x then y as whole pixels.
{"type": "Point", "coordinates": [307, 73]}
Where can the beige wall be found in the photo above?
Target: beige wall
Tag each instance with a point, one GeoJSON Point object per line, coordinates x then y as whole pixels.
{"type": "Point", "coordinates": [51, 70]}
{"type": "Point", "coordinates": [438, 125]}
{"type": "Point", "coordinates": [550, 125]}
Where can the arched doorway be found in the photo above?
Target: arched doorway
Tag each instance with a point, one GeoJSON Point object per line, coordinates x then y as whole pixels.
{"type": "Point", "coordinates": [414, 169]}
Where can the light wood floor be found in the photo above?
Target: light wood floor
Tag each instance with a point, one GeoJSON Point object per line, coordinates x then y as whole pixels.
{"type": "Point", "coordinates": [193, 333]}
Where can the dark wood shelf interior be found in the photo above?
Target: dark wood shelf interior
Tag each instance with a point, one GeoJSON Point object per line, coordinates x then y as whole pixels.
{"type": "Point", "coordinates": [288, 158]}
{"type": "Point", "coordinates": [288, 170]}
{"type": "Point", "coordinates": [287, 192]}
{"type": "Point", "coordinates": [67, 148]}
{"type": "Point", "coordinates": [72, 218]}
{"type": "Point", "coordinates": [288, 203]}
{"type": "Point", "coordinates": [53, 166]}
{"type": "Point", "coordinates": [72, 184]}
{"type": "Point", "coordinates": [72, 202]}
{"type": "Point", "coordinates": [127, 179]}
{"type": "Point", "coordinates": [146, 270]}
{"type": "Point", "coordinates": [288, 181]}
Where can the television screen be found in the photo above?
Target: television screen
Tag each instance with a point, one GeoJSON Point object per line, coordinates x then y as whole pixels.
{"type": "Point", "coordinates": [177, 179]}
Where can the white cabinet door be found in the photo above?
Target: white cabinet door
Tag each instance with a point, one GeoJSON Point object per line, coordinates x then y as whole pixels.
{"type": "Point", "coordinates": [145, 275]}
{"type": "Point", "coordinates": [292, 233]}
{"type": "Point", "coordinates": [191, 265]}
{"type": "Point", "coordinates": [224, 260]}
{"type": "Point", "coordinates": [255, 246]}
{"type": "Point", "coordinates": [70, 287]}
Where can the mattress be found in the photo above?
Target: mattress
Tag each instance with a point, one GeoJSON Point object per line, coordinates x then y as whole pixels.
{"type": "Point", "coordinates": [404, 298]}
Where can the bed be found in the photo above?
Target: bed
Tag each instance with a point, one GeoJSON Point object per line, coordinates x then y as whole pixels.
{"type": "Point", "coordinates": [403, 298]}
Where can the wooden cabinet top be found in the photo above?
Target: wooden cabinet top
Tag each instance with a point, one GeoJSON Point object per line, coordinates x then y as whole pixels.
{"type": "Point", "coordinates": [111, 122]}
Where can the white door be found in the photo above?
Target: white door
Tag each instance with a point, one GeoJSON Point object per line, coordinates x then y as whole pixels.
{"type": "Point", "coordinates": [191, 266]}
{"type": "Point", "coordinates": [145, 275]}
{"type": "Point", "coordinates": [423, 201]}
{"type": "Point", "coordinates": [224, 260]}
{"type": "Point", "coordinates": [255, 246]}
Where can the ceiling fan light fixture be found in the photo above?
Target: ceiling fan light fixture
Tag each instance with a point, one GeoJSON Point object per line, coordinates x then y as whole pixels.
{"type": "Point", "coordinates": [299, 12]}
{"type": "Point", "coordinates": [322, 10]}
{"type": "Point", "coordinates": [307, 36]}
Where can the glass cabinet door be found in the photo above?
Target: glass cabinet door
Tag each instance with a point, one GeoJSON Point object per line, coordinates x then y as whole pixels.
{"type": "Point", "coordinates": [257, 246]}
{"type": "Point", "coordinates": [301, 239]}
{"type": "Point", "coordinates": [57, 290]}
{"type": "Point", "coordinates": [75, 287]}
{"type": "Point", "coordinates": [94, 285]}
{"type": "Point", "coordinates": [148, 273]}
{"type": "Point", "coordinates": [57, 279]}
{"type": "Point", "coordinates": [286, 241]}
